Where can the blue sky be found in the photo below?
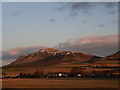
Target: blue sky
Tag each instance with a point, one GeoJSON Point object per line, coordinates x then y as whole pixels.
{"type": "Point", "coordinates": [51, 24]}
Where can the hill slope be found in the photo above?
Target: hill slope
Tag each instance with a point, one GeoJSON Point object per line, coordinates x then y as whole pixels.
{"type": "Point", "coordinates": [50, 56]}
{"type": "Point", "coordinates": [112, 59]}
{"type": "Point", "coordinates": [115, 56]}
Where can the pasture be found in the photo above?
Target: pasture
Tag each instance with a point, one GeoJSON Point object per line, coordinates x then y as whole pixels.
{"type": "Point", "coordinates": [60, 83]}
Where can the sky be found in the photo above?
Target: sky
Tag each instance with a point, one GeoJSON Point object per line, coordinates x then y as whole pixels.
{"type": "Point", "coordinates": [90, 27]}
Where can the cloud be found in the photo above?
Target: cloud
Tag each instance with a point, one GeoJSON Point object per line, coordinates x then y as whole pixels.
{"type": "Point", "coordinates": [83, 6]}
{"type": "Point", "coordinates": [16, 52]}
{"type": "Point", "coordinates": [101, 25]}
{"type": "Point", "coordinates": [99, 45]}
{"type": "Point", "coordinates": [52, 20]}
{"type": "Point", "coordinates": [76, 7]}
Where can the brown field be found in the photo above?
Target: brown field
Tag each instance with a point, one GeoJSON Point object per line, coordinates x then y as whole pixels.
{"type": "Point", "coordinates": [16, 71]}
{"type": "Point", "coordinates": [60, 83]}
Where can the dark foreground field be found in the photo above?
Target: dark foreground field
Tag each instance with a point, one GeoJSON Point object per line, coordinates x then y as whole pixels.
{"type": "Point", "coordinates": [60, 83]}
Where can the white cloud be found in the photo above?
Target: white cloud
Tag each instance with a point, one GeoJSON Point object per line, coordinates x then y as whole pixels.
{"type": "Point", "coordinates": [99, 45]}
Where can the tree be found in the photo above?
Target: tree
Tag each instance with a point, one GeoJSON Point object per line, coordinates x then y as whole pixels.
{"type": "Point", "coordinates": [21, 75]}
{"type": "Point", "coordinates": [39, 74]}
{"type": "Point", "coordinates": [94, 73]}
{"type": "Point", "coordinates": [4, 74]}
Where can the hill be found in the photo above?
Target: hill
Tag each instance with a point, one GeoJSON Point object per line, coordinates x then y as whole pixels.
{"type": "Point", "coordinates": [115, 56]}
{"type": "Point", "coordinates": [112, 60]}
{"type": "Point", "coordinates": [49, 57]}
{"type": "Point", "coordinates": [53, 60]}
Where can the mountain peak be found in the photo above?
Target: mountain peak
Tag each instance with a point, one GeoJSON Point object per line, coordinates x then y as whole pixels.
{"type": "Point", "coordinates": [49, 50]}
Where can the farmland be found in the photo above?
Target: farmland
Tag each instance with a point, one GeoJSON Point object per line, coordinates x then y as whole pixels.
{"type": "Point", "coordinates": [60, 83]}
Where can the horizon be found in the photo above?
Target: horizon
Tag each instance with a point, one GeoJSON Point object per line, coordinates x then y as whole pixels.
{"type": "Point", "coordinates": [82, 27]}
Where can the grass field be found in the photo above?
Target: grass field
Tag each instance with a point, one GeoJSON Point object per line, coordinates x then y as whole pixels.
{"type": "Point", "coordinates": [60, 83]}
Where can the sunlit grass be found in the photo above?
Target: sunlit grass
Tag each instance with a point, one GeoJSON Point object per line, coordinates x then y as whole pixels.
{"type": "Point", "coordinates": [10, 70]}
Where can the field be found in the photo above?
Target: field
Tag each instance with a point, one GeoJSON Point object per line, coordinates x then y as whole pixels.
{"type": "Point", "coordinates": [60, 83]}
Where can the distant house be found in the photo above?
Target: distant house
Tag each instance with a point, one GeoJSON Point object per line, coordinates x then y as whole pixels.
{"type": "Point", "coordinates": [79, 75]}
{"type": "Point", "coordinates": [57, 74]}
{"type": "Point", "coordinates": [115, 73]}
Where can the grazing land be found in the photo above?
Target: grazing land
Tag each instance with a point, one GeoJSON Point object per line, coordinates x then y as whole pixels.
{"type": "Point", "coordinates": [60, 83]}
